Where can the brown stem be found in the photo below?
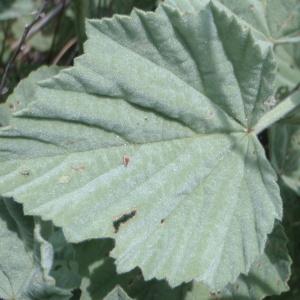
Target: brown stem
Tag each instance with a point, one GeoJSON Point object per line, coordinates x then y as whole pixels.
{"type": "Point", "coordinates": [14, 55]}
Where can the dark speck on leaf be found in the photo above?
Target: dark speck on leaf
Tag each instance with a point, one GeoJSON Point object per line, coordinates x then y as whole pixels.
{"type": "Point", "coordinates": [126, 160]}
{"type": "Point", "coordinates": [123, 219]}
{"type": "Point", "coordinates": [25, 172]}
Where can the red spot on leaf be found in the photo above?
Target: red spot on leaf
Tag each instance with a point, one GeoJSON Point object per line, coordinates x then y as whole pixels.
{"type": "Point", "coordinates": [126, 160]}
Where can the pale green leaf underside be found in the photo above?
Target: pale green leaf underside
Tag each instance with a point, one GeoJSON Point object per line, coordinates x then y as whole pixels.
{"type": "Point", "coordinates": [276, 19]}
{"type": "Point", "coordinates": [24, 92]}
{"type": "Point", "coordinates": [173, 97]}
{"type": "Point", "coordinates": [273, 21]}
{"type": "Point", "coordinates": [288, 68]}
{"type": "Point", "coordinates": [268, 274]}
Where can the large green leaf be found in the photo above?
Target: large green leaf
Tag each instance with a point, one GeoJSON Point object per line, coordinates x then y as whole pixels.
{"type": "Point", "coordinates": [4, 116]}
{"type": "Point", "coordinates": [148, 140]}
{"type": "Point", "coordinates": [25, 260]}
{"type": "Point", "coordinates": [276, 19]}
{"type": "Point", "coordinates": [273, 21]}
{"type": "Point", "coordinates": [268, 276]}
{"type": "Point", "coordinates": [24, 92]}
{"type": "Point", "coordinates": [289, 75]}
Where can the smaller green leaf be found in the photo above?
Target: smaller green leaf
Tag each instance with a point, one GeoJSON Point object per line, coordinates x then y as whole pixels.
{"type": "Point", "coordinates": [4, 115]}
{"type": "Point", "coordinates": [25, 259]}
{"type": "Point", "coordinates": [65, 268]}
{"type": "Point", "coordinates": [117, 294]}
{"type": "Point", "coordinates": [285, 153]}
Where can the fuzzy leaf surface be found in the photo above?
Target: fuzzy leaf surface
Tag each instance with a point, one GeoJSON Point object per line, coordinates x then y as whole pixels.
{"type": "Point", "coordinates": [148, 140]}
{"type": "Point", "coordinates": [274, 22]}
{"type": "Point", "coordinates": [275, 19]}
{"type": "Point", "coordinates": [24, 92]}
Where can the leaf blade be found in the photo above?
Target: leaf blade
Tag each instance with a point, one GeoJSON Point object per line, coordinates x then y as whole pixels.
{"type": "Point", "coordinates": [180, 141]}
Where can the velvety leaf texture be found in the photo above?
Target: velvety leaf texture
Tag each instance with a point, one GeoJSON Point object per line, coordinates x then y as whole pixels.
{"type": "Point", "coordinates": [274, 22]}
{"type": "Point", "coordinates": [268, 274]}
{"type": "Point", "coordinates": [288, 68]}
{"type": "Point", "coordinates": [275, 19]}
{"type": "Point", "coordinates": [148, 140]}
{"type": "Point", "coordinates": [24, 92]}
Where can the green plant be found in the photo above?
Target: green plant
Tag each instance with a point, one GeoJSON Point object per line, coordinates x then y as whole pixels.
{"type": "Point", "coordinates": [147, 154]}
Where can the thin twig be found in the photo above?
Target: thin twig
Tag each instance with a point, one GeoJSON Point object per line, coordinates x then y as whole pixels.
{"type": "Point", "coordinates": [19, 47]}
{"type": "Point", "coordinates": [72, 55]}
{"type": "Point", "coordinates": [63, 51]}
{"type": "Point", "coordinates": [56, 30]}
{"type": "Point", "coordinates": [295, 89]}
{"type": "Point", "coordinates": [48, 17]}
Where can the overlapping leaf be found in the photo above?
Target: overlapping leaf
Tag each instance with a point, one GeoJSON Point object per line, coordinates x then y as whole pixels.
{"type": "Point", "coordinates": [276, 22]}
{"type": "Point", "coordinates": [285, 146]}
{"type": "Point", "coordinates": [24, 258]}
{"type": "Point", "coordinates": [148, 140]}
{"type": "Point", "coordinates": [24, 93]}
{"type": "Point", "coordinates": [117, 294]}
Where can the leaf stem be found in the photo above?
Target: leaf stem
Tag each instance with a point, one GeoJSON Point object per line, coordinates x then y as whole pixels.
{"type": "Point", "coordinates": [288, 40]}
{"type": "Point", "coordinates": [277, 113]}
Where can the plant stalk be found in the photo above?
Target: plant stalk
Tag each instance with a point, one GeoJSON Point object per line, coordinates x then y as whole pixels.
{"type": "Point", "coordinates": [277, 113]}
{"type": "Point", "coordinates": [288, 40]}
